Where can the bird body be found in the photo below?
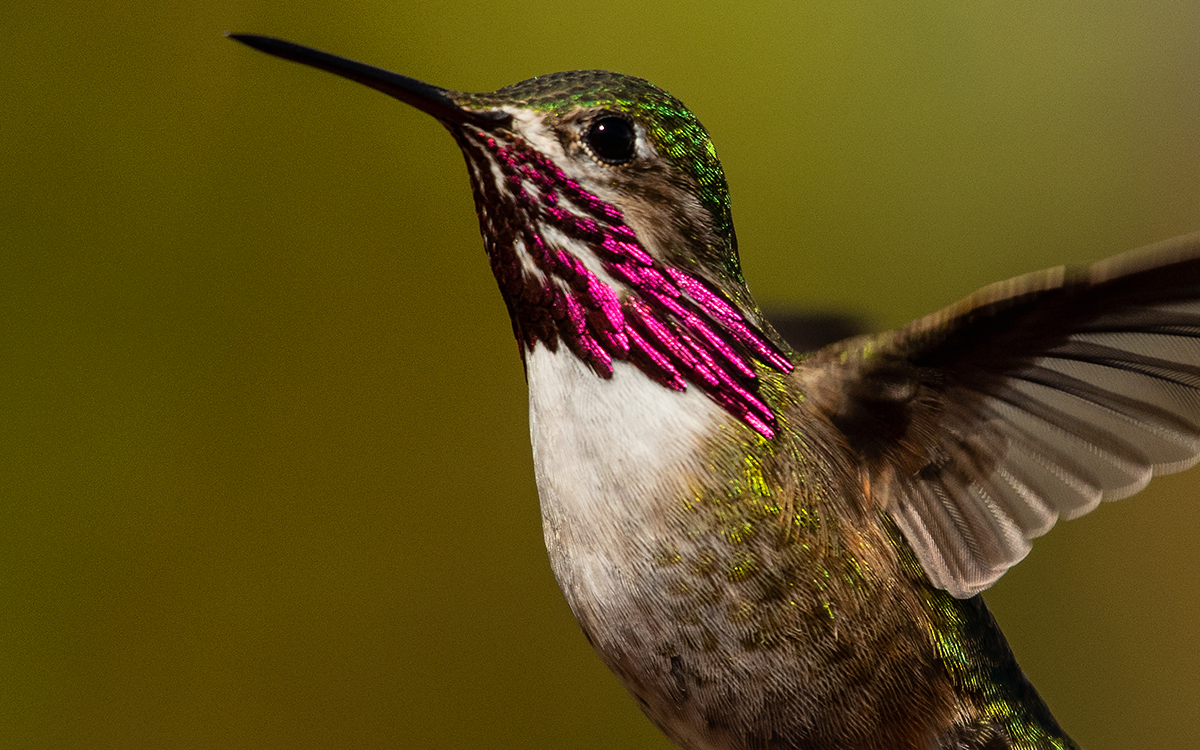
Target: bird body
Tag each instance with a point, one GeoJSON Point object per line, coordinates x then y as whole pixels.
{"type": "Point", "coordinates": [783, 550]}
{"type": "Point", "coordinates": [737, 617]}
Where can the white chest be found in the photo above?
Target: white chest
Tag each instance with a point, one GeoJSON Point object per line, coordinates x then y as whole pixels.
{"type": "Point", "coordinates": [612, 459]}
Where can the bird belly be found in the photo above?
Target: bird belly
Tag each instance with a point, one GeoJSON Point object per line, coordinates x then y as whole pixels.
{"type": "Point", "coordinates": [714, 662]}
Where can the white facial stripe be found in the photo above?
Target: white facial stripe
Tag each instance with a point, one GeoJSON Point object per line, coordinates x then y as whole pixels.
{"type": "Point", "coordinates": [556, 239]}
{"type": "Point", "coordinates": [529, 125]}
{"type": "Point", "coordinates": [527, 263]}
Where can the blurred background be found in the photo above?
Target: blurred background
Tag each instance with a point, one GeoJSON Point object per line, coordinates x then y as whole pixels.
{"type": "Point", "coordinates": [265, 479]}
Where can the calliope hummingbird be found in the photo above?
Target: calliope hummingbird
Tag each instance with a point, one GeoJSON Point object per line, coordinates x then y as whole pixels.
{"type": "Point", "coordinates": [774, 549]}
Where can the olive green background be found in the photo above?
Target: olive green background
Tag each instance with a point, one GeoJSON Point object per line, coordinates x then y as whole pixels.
{"type": "Point", "coordinates": [265, 479]}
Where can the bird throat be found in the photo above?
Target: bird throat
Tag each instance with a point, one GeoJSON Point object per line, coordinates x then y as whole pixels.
{"type": "Point", "coordinates": [572, 272]}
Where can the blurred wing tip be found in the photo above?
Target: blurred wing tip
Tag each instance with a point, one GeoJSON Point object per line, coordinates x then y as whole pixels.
{"type": "Point", "coordinates": [1163, 253]}
{"type": "Point", "coordinates": [1177, 466]}
{"type": "Point", "coordinates": [1045, 395]}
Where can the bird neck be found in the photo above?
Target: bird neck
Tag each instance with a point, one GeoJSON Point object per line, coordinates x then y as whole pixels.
{"type": "Point", "coordinates": [573, 272]}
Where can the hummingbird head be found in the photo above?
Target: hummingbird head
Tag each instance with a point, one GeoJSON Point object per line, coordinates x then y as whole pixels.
{"type": "Point", "coordinates": [606, 218]}
{"type": "Point", "coordinates": [636, 148]}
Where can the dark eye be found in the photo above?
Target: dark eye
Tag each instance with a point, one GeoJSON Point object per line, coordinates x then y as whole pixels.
{"type": "Point", "coordinates": [611, 139]}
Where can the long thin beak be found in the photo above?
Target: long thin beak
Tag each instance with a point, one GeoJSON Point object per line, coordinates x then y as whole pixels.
{"type": "Point", "coordinates": [425, 97]}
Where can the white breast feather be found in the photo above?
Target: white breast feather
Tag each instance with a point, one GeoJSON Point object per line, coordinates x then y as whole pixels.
{"type": "Point", "coordinates": [608, 455]}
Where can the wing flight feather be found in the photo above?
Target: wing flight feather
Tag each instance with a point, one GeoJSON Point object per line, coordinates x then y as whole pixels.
{"type": "Point", "coordinates": [1031, 401]}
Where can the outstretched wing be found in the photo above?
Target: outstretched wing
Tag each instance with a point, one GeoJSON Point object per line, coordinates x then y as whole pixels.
{"type": "Point", "coordinates": [1031, 400]}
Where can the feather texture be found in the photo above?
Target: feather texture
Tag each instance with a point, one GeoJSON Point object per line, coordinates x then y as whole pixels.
{"type": "Point", "coordinates": [1033, 400]}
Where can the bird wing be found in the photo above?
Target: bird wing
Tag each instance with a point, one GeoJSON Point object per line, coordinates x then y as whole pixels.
{"type": "Point", "coordinates": [1032, 400]}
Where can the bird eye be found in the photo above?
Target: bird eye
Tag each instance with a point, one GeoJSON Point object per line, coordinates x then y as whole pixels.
{"type": "Point", "coordinates": [611, 139]}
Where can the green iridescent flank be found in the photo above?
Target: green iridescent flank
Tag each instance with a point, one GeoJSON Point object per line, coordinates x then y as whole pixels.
{"type": "Point", "coordinates": [755, 482]}
{"type": "Point", "coordinates": [670, 126]}
{"type": "Point", "coordinates": [979, 661]}
{"type": "Point", "coordinates": [779, 542]}
{"type": "Point", "coordinates": [753, 489]}
{"type": "Point", "coordinates": [806, 519]}
{"type": "Point", "coordinates": [745, 564]}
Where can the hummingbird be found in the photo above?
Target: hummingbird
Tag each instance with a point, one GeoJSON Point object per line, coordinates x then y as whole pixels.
{"type": "Point", "coordinates": [778, 549]}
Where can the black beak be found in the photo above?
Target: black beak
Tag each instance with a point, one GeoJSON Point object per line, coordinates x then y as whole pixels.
{"type": "Point", "coordinates": [425, 97]}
